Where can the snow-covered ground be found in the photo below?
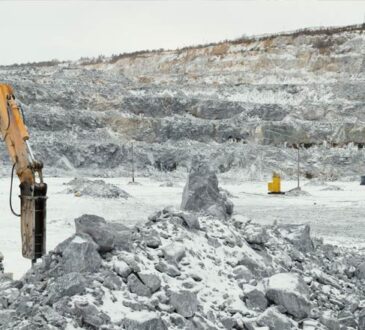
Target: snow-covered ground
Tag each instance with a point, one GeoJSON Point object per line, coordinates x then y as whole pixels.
{"type": "Point", "coordinates": [336, 215]}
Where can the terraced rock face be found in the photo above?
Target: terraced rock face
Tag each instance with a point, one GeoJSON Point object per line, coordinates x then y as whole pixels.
{"type": "Point", "coordinates": [237, 102]}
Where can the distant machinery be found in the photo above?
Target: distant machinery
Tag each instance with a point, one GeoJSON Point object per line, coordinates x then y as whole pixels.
{"type": "Point", "coordinates": [274, 187]}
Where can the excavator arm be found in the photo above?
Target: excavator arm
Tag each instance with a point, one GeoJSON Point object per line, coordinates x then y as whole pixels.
{"type": "Point", "coordinates": [33, 190]}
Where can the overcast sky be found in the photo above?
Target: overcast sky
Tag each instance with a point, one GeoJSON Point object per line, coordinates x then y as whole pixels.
{"type": "Point", "coordinates": [44, 30]}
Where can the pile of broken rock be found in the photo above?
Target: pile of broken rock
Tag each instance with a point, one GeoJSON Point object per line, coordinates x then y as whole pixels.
{"type": "Point", "coordinates": [180, 271]}
{"type": "Point", "coordinates": [95, 188]}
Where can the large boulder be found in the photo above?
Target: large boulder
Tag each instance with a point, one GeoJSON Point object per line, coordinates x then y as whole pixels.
{"type": "Point", "coordinates": [106, 235]}
{"type": "Point", "coordinates": [290, 291]}
{"type": "Point", "coordinates": [79, 254]}
{"type": "Point", "coordinates": [97, 228]}
{"type": "Point", "coordinates": [66, 285]}
{"type": "Point", "coordinates": [201, 192]}
{"type": "Point", "coordinates": [298, 235]}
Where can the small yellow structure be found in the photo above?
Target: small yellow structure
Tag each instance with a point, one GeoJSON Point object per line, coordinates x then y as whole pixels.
{"type": "Point", "coordinates": [274, 187]}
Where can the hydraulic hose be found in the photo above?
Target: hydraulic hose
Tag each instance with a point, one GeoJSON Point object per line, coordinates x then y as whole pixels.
{"type": "Point", "coordinates": [11, 192]}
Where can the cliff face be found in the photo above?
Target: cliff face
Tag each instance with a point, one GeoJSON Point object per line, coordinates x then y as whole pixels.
{"type": "Point", "coordinates": [242, 103]}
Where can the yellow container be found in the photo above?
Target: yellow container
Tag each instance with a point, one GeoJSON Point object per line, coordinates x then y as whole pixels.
{"type": "Point", "coordinates": [274, 187]}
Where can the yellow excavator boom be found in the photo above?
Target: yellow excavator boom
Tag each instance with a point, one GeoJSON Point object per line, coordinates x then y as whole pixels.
{"type": "Point", "coordinates": [33, 190]}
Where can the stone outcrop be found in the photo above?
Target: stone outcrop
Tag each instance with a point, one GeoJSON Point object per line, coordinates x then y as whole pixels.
{"type": "Point", "coordinates": [236, 103]}
{"type": "Point", "coordinates": [201, 192]}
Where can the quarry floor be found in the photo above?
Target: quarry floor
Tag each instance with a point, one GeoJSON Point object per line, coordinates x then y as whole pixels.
{"type": "Point", "coordinates": [337, 216]}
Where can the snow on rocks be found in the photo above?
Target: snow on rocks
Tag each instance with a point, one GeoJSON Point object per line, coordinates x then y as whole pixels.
{"type": "Point", "coordinates": [95, 188]}
{"type": "Point", "coordinates": [290, 291]}
{"type": "Point", "coordinates": [213, 275]}
{"type": "Point", "coordinates": [297, 192]}
{"type": "Point", "coordinates": [144, 321]}
{"type": "Point", "coordinates": [174, 252]}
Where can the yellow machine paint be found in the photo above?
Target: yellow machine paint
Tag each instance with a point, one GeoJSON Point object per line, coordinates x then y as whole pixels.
{"type": "Point", "coordinates": [274, 187]}
{"type": "Point", "coordinates": [33, 190]}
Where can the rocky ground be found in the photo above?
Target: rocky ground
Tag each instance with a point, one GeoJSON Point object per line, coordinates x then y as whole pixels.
{"type": "Point", "coordinates": [180, 271]}
{"type": "Point", "coordinates": [189, 270]}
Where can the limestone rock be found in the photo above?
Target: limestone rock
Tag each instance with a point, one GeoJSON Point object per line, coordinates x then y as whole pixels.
{"type": "Point", "coordinates": [184, 302]}
{"type": "Point", "coordinates": [80, 255]}
{"type": "Point", "coordinates": [347, 319]}
{"type": "Point", "coordinates": [254, 298]}
{"type": "Point", "coordinates": [274, 320]}
{"type": "Point", "coordinates": [52, 317]}
{"type": "Point", "coordinates": [254, 261]}
{"type": "Point", "coordinates": [329, 320]}
{"type": "Point", "coordinates": [107, 236]}
{"type": "Point", "coordinates": [201, 192]}
{"type": "Point", "coordinates": [136, 286]}
{"type": "Point", "coordinates": [122, 268]}
{"type": "Point", "coordinates": [255, 234]}
{"type": "Point", "coordinates": [152, 281]}
{"type": "Point", "coordinates": [152, 239]}
{"type": "Point", "coordinates": [324, 278]}
{"type": "Point", "coordinates": [298, 235]}
{"type": "Point", "coordinates": [67, 285]}
{"type": "Point", "coordinates": [190, 220]}
{"type": "Point", "coordinates": [242, 272]}
{"type": "Point", "coordinates": [361, 322]}
{"type": "Point", "coordinates": [360, 270]}
{"type": "Point", "coordinates": [144, 321]}
{"type": "Point", "coordinates": [290, 291]}
{"type": "Point", "coordinates": [112, 281]}
{"type": "Point", "coordinates": [6, 316]}
{"type": "Point", "coordinates": [169, 269]}
{"type": "Point", "coordinates": [174, 252]}
{"type": "Point", "coordinates": [97, 228]}
{"type": "Point", "coordinates": [90, 315]}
